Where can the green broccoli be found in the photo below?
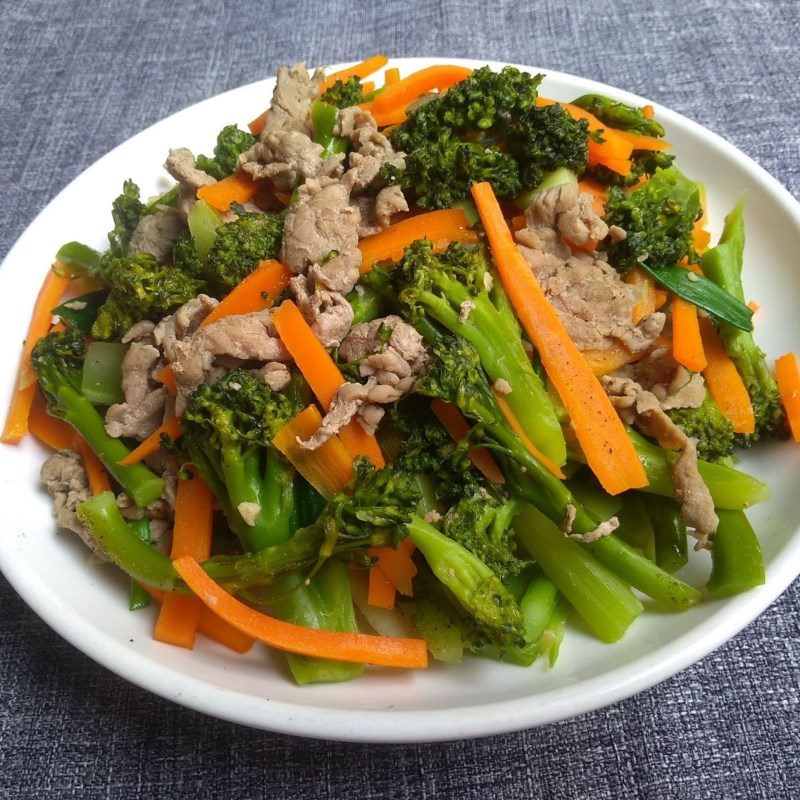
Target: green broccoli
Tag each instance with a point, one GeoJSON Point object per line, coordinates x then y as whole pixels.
{"type": "Point", "coordinates": [712, 429]}
{"type": "Point", "coordinates": [140, 288]}
{"type": "Point", "coordinates": [619, 115]}
{"type": "Point", "coordinates": [228, 430]}
{"type": "Point", "coordinates": [239, 246]}
{"type": "Point", "coordinates": [344, 94]}
{"type": "Point", "coordinates": [485, 128]}
{"type": "Point", "coordinates": [184, 255]}
{"type": "Point", "coordinates": [723, 265]}
{"type": "Point", "coordinates": [126, 211]}
{"type": "Point", "coordinates": [58, 361]}
{"type": "Point", "coordinates": [231, 143]}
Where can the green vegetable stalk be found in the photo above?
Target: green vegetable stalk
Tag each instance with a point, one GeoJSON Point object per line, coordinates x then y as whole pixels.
{"type": "Point", "coordinates": [323, 121]}
{"type": "Point", "coordinates": [672, 548]}
{"type": "Point", "coordinates": [737, 561]}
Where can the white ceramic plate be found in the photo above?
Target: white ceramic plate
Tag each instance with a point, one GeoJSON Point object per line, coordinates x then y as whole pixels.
{"type": "Point", "coordinates": [88, 604]}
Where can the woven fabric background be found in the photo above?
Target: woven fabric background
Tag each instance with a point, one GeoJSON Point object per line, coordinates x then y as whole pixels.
{"type": "Point", "coordinates": [77, 78]}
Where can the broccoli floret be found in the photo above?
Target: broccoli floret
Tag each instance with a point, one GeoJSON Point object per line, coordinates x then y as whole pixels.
{"type": "Point", "coordinates": [58, 361]}
{"type": "Point", "coordinates": [239, 246]}
{"type": "Point", "coordinates": [618, 115]}
{"type": "Point", "coordinates": [486, 128]}
{"type": "Point", "coordinates": [184, 255]}
{"type": "Point", "coordinates": [658, 219]}
{"type": "Point", "coordinates": [140, 288]}
{"type": "Point", "coordinates": [723, 265]}
{"type": "Point", "coordinates": [231, 143]}
{"type": "Point", "coordinates": [644, 162]}
{"type": "Point", "coordinates": [442, 287]}
{"type": "Point", "coordinates": [712, 429]}
{"type": "Point", "coordinates": [228, 430]}
{"type": "Point", "coordinates": [126, 211]}
{"type": "Point", "coordinates": [344, 94]}
{"type": "Point", "coordinates": [482, 525]}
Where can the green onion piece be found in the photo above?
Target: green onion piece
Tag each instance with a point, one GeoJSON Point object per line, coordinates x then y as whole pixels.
{"type": "Point", "coordinates": [101, 382]}
{"type": "Point", "coordinates": [672, 548]}
{"type": "Point", "coordinates": [79, 257]}
{"type": "Point", "coordinates": [82, 311]}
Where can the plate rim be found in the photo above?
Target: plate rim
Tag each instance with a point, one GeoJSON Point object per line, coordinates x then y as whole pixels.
{"type": "Point", "coordinates": [416, 726]}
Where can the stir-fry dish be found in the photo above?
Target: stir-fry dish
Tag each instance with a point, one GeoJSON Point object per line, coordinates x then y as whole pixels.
{"type": "Point", "coordinates": [427, 367]}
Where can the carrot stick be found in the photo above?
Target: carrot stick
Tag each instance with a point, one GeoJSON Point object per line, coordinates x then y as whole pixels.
{"type": "Point", "coordinates": [391, 76]}
{"type": "Point", "coordinates": [753, 305]}
{"type": "Point", "coordinates": [603, 362]}
{"type": "Point", "coordinates": [724, 382]}
{"type": "Point", "coordinates": [549, 465]}
{"type": "Point", "coordinates": [641, 142]}
{"type": "Point", "coordinates": [455, 424]}
{"type": "Point", "coordinates": [360, 71]}
{"type": "Point", "coordinates": [382, 591]}
{"type": "Point", "coordinates": [25, 386]}
{"type": "Point", "coordinates": [648, 111]}
{"type": "Point", "coordinates": [236, 188]}
{"type": "Point", "coordinates": [257, 125]}
{"type": "Point", "coordinates": [191, 538]}
{"type": "Point", "coordinates": [49, 430]}
{"type": "Point", "coordinates": [646, 304]}
{"type": "Point", "coordinates": [598, 193]}
{"type": "Point", "coordinates": [602, 436]}
{"type": "Point", "coordinates": [687, 345]}
{"type": "Point", "coordinates": [397, 565]}
{"type": "Point", "coordinates": [787, 374]}
{"type": "Point", "coordinates": [368, 87]}
{"type": "Point", "coordinates": [401, 94]}
{"type": "Point", "coordinates": [328, 468]}
{"type": "Point", "coordinates": [360, 648]}
{"type": "Point", "coordinates": [172, 428]}
{"type": "Point", "coordinates": [255, 293]}
{"type": "Point", "coordinates": [323, 377]}
{"type": "Point", "coordinates": [166, 376]}
{"type": "Point", "coordinates": [95, 472]}
{"type": "Point", "coordinates": [439, 227]}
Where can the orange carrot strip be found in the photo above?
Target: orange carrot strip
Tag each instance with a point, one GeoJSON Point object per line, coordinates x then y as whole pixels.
{"type": "Point", "coordinates": [787, 374]}
{"type": "Point", "coordinates": [407, 90]}
{"type": "Point", "coordinates": [255, 293]}
{"type": "Point", "coordinates": [439, 227]}
{"type": "Point", "coordinates": [25, 386]}
{"type": "Point", "coordinates": [602, 362]}
{"type": "Point", "coordinates": [598, 193]}
{"type": "Point", "coordinates": [622, 166]}
{"type": "Point", "coordinates": [646, 304]}
{"type": "Point", "coordinates": [701, 237]}
{"type": "Point", "coordinates": [381, 592]}
{"type": "Point", "coordinates": [397, 565]}
{"type": "Point", "coordinates": [236, 188]}
{"type": "Point", "coordinates": [368, 87]}
{"type": "Point", "coordinates": [391, 76]}
{"type": "Point", "coordinates": [687, 345]}
{"type": "Point", "coordinates": [455, 424]}
{"type": "Point", "coordinates": [95, 472]}
{"type": "Point", "coordinates": [753, 306]}
{"type": "Point", "coordinates": [648, 111]}
{"type": "Point", "coordinates": [724, 382]}
{"type": "Point", "coordinates": [360, 71]}
{"type": "Point", "coordinates": [513, 422]}
{"type": "Point", "coordinates": [328, 468]}
{"type": "Point", "coordinates": [360, 648]}
{"type": "Point", "coordinates": [172, 428]}
{"type": "Point", "coordinates": [166, 376]}
{"type": "Point", "coordinates": [323, 376]}
{"type": "Point", "coordinates": [641, 142]}
{"type": "Point", "coordinates": [49, 430]}
{"type": "Point", "coordinates": [257, 125]}
{"type": "Point", "coordinates": [602, 436]}
{"type": "Point", "coordinates": [386, 119]}
{"type": "Point", "coordinates": [191, 538]}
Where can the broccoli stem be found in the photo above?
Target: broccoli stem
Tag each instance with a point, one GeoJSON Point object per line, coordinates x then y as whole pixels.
{"type": "Point", "coordinates": [139, 598]}
{"type": "Point", "coordinates": [730, 488]}
{"type": "Point", "coordinates": [122, 545]}
{"type": "Point", "coordinates": [537, 606]}
{"type": "Point", "coordinates": [603, 601]}
{"type": "Point", "coordinates": [672, 548]}
{"type": "Point", "coordinates": [137, 480]}
{"type": "Point", "coordinates": [79, 258]}
{"type": "Point", "coordinates": [326, 603]}
{"type": "Point", "coordinates": [278, 499]}
{"type": "Point", "coordinates": [635, 527]}
{"type": "Point", "coordinates": [367, 304]}
{"type": "Point", "coordinates": [737, 560]}
{"type": "Point", "coordinates": [549, 642]}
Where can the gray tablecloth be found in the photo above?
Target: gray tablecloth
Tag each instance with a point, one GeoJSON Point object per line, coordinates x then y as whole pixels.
{"type": "Point", "coordinates": [78, 78]}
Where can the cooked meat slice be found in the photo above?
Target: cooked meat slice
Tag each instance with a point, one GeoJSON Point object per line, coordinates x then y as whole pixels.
{"type": "Point", "coordinates": [157, 233]}
{"type": "Point", "coordinates": [674, 386]}
{"type": "Point", "coordinates": [242, 337]}
{"type": "Point", "coordinates": [562, 212]}
{"type": "Point", "coordinates": [359, 126]}
{"type": "Point", "coordinates": [376, 212]}
{"type": "Point", "coordinates": [65, 479]}
{"type": "Point", "coordinates": [603, 529]}
{"type": "Point", "coordinates": [368, 416]}
{"type": "Point", "coordinates": [140, 332]}
{"type": "Point", "coordinates": [291, 99]}
{"type": "Point", "coordinates": [637, 406]}
{"type": "Point", "coordinates": [328, 313]}
{"type": "Point", "coordinates": [187, 319]}
{"type": "Point", "coordinates": [286, 157]}
{"type": "Point", "coordinates": [687, 390]}
{"type": "Point", "coordinates": [181, 165]}
{"type": "Point", "coordinates": [320, 235]}
{"type": "Point", "coordinates": [594, 304]}
{"type": "Point", "coordinates": [275, 375]}
{"type": "Point", "coordinates": [143, 409]}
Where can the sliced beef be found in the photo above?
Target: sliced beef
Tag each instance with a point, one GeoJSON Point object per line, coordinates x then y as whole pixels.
{"type": "Point", "coordinates": [294, 92]}
{"type": "Point", "coordinates": [187, 319]}
{"type": "Point", "coordinates": [674, 386]}
{"type": "Point", "coordinates": [377, 212]}
{"type": "Point", "coordinates": [234, 340]}
{"type": "Point", "coordinates": [328, 313]}
{"type": "Point", "coordinates": [157, 233]}
{"type": "Point", "coordinates": [140, 332]}
{"type": "Point", "coordinates": [320, 235]}
{"type": "Point", "coordinates": [287, 157]}
{"type": "Point", "coordinates": [639, 407]}
{"type": "Point", "coordinates": [182, 166]}
{"type": "Point", "coordinates": [143, 409]}
{"type": "Point", "coordinates": [275, 375]}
